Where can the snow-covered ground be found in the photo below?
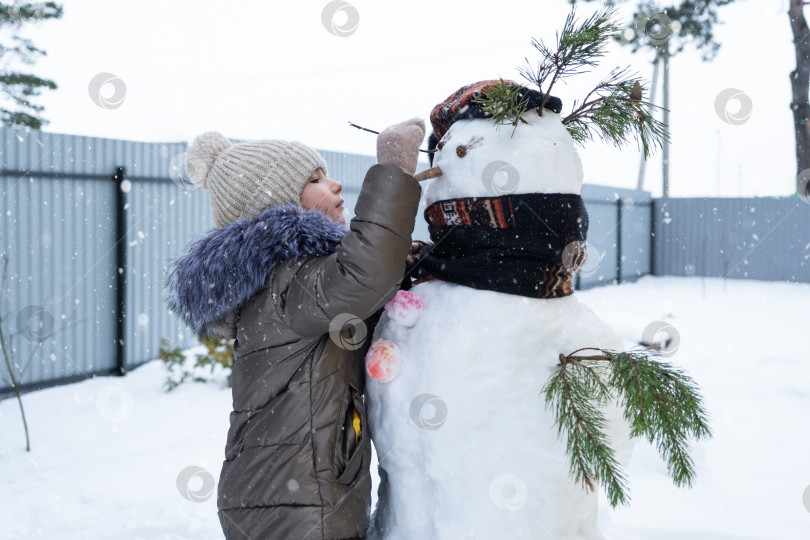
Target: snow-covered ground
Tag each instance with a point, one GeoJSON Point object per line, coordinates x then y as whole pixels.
{"type": "Point", "coordinates": [110, 455]}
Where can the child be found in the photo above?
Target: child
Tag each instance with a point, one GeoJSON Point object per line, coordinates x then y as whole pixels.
{"type": "Point", "coordinates": [283, 276]}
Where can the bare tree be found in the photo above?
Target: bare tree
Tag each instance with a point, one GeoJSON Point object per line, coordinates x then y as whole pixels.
{"type": "Point", "coordinates": [799, 82]}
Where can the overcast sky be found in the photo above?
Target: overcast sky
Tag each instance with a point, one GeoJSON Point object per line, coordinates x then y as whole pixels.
{"type": "Point", "coordinates": [259, 69]}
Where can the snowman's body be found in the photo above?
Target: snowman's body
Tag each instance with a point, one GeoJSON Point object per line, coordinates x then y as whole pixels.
{"type": "Point", "coordinates": [466, 446]}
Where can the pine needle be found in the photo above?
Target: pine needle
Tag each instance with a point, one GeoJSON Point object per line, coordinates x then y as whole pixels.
{"type": "Point", "coordinates": [505, 103]}
{"type": "Point", "coordinates": [575, 393]}
{"type": "Point", "coordinates": [662, 404]}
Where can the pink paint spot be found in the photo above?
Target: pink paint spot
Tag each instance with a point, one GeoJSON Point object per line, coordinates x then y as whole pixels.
{"type": "Point", "coordinates": [383, 360]}
{"type": "Point", "coordinates": [405, 308]}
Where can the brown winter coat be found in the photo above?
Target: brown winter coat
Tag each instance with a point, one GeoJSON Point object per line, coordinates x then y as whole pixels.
{"type": "Point", "coordinates": [292, 467]}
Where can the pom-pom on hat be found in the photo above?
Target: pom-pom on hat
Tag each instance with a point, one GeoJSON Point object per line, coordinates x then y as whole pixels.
{"type": "Point", "coordinates": [460, 105]}
{"type": "Point", "coordinates": [244, 179]}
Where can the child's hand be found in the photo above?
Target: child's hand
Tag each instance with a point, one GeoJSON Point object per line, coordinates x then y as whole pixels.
{"type": "Point", "coordinates": [415, 253]}
{"type": "Point", "coordinates": [399, 144]}
{"type": "Point", "coordinates": [412, 262]}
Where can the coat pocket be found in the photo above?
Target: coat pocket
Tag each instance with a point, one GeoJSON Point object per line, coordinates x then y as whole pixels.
{"type": "Point", "coordinates": [350, 444]}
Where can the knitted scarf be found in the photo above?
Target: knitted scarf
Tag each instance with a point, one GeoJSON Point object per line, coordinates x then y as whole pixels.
{"type": "Point", "coordinates": [527, 244]}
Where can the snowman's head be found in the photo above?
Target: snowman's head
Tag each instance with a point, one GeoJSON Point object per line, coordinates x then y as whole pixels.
{"type": "Point", "coordinates": [480, 159]}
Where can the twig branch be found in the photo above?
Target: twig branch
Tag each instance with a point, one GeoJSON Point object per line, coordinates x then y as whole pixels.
{"type": "Point", "coordinates": [364, 129]}
{"type": "Point", "coordinates": [377, 133]}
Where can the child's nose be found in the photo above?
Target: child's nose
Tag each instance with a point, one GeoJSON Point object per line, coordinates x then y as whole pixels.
{"type": "Point", "coordinates": [338, 186]}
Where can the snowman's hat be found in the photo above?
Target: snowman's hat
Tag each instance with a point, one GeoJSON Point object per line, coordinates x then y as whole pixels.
{"type": "Point", "coordinates": [460, 105]}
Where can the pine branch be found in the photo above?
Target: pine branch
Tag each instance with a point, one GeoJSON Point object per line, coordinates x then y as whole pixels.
{"type": "Point", "coordinates": [17, 118]}
{"type": "Point", "coordinates": [19, 88]}
{"type": "Point", "coordinates": [578, 47]}
{"type": "Point", "coordinates": [23, 50]}
{"type": "Point", "coordinates": [616, 112]}
{"type": "Point", "coordinates": [661, 403]}
{"type": "Point", "coordinates": [19, 13]}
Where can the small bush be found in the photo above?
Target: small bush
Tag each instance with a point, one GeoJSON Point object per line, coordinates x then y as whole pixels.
{"type": "Point", "coordinates": [219, 352]}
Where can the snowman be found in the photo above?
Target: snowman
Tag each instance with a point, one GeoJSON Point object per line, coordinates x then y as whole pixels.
{"type": "Point", "coordinates": [465, 444]}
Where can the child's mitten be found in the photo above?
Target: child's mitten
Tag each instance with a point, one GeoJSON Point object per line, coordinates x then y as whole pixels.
{"type": "Point", "coordinates": [399, 144]}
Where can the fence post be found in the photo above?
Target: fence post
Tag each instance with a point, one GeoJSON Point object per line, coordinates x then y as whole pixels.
{"type": "Point", "coordinates": [619, 205]}
{"type": "Point", "coordinates": [653, 239]}
{"type": "Point", "coordinates": [121, 273]}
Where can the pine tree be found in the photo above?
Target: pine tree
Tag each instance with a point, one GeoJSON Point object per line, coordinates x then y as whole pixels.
{"type": "Point", "coordinates": [20, 87]}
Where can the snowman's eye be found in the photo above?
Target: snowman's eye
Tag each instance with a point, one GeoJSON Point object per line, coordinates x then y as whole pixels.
{"type": "Point", "coordinates": [461, 150]}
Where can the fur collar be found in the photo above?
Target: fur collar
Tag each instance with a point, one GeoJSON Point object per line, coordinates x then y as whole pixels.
{"type": "Point", "coordinates": [225, 268]}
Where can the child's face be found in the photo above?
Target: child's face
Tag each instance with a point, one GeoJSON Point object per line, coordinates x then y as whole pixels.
{"type": "Point", "coordinates": [323, 193]}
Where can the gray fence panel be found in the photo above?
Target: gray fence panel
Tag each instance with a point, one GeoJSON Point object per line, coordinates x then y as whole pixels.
{"type": "Point", "coordinates": [636, 230]}
{"type": "Point", "coordinates": [601, 266]}
{"type": "Point", "coordinates": [57, 236]}
{"type": "Point", "coordinates": [607, 223]}
{"type": "Point", "coordinates": [38, 152]}
{"type": "Point", "coordinates": [162, 220]}
{"type": "Point", "coordinates": [761, 238]}
{"type": "Point", "coordinates": [163, 215]}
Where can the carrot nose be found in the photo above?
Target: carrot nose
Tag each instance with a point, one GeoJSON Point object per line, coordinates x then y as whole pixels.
{"type": "Point", "coordinates": [433, 172]}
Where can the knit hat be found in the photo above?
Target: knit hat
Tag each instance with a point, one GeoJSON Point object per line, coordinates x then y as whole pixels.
{"type": "Point", "coordinates": [244, 179]}
{"type": "Point", "coordinates": [460, 105]}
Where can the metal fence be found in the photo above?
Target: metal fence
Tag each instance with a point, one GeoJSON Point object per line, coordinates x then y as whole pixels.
{"type": "Point", "coordinates": [761, 238]}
